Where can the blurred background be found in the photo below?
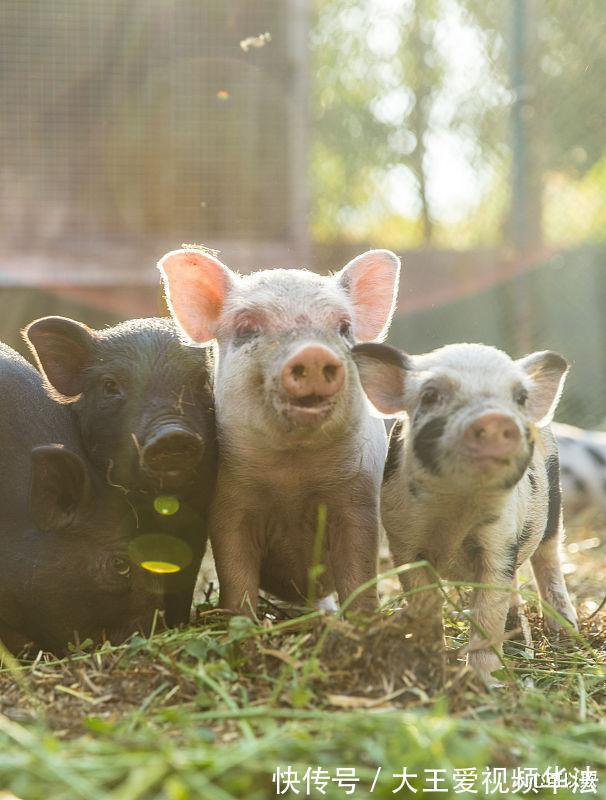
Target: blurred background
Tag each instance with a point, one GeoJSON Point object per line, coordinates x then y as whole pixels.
{"type": "Point", "coordinates": [468, 136]}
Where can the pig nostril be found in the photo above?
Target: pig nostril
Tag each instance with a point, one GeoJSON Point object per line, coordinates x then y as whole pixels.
{"type": "Point", "coordinates": [330, 372]}
{"type": "Point", "coordinates": [493, 432]}
{"type": "Point", "coordinates": [171, 451]}
{"type": "Point", "coordinates": [314, 370]}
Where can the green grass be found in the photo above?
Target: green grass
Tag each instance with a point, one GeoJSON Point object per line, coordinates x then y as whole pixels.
{"type": "Point", "coordinates": [212, 710]}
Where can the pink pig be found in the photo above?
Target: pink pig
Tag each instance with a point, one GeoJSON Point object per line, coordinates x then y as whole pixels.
{"type": "Point", "coordinates": [295, 430]}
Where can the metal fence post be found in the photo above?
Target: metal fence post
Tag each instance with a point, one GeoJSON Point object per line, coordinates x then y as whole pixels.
{"type": "Point", "coordinates": [519, 300]}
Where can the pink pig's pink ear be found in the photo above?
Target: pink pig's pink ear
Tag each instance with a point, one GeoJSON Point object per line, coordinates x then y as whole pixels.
{"type": "Point", "coordinates": [196, 285]}
{"type": "Point", "coordinates": [371, 281]}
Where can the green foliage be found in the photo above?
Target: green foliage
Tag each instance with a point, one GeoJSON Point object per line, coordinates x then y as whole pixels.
{"type": "Point", "coordinates": [213, 711]}
{"type": "Point", "coordinates": [388, 84]}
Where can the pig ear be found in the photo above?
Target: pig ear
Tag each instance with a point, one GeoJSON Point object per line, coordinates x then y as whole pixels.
{"type": "Point", "coordinates": [371, 281]}
{"type": "Point", "coordinates": [196, 285]}
{"type": "Point", "coordinates": [60, 487]}
{"type": "Point", "coordinates": [383, 374]}
{"type": "Point", "coordinates": [62, 348]}
{"type": "Point", "coordinates": [547, 371]}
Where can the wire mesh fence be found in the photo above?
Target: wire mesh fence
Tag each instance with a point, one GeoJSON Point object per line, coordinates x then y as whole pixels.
{"type": "Point", "coordinates": [468, 136]}
{"type": "Point", "coordinates": [473, 135]}
{"type": "Point", "coordinates": [565, 298]}
{"type": "Point", "coordinates": [133, 119]}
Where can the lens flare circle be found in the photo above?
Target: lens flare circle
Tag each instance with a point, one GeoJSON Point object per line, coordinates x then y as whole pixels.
{"type": "Point", "coordinates": [166, 504]}
{"type": "Point", "coordinates": [160, 553]}
{"type": "Point", "coordinates": [160, 567]}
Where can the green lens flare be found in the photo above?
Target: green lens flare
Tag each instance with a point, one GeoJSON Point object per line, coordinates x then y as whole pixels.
{"type": "Point", "coordinates": [161, 567]}
{"type": "Point", "coordinates": [166, 505]}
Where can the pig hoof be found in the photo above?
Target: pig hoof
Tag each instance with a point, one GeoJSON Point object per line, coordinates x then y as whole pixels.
{"type": "Point", "coordinates": [518, 629]}
{"type": "Point", "coordinates": [492, 684]}
{"type": "Point", "coordinates": [485, 665]}
{"type": "Point", "coordinates": [560, 638]}
{"type": "Point", "coordinates": [558, 634]}
{"type": "Point", "coordinates": [488, 679]}
{"type": "Point", "coordinates": [465, 614]}
{"type": "Point", "coordinates": [327, 604]}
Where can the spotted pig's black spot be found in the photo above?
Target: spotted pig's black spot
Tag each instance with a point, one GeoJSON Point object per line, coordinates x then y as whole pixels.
{"type": "Point", "coordinates": [596, 455]}
{"type": "Point", "coordinates": [511, 563]}
{"type": "Point", "coordinates": [394, 451]}
{"type": "Point", "coordinates": [426, 444]}
{"type": "Point", "coordinates": [473, 550]}
{"type": "Point", "coordinates": [554, 508]}
{"type": "Point", "coordinates": [524, 535]}
{"type": "Point", "coordinates": [532, 479]}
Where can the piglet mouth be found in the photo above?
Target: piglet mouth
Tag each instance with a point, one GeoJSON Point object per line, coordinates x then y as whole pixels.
{"type": "Point", "coordinates": [490, 466]}
{"type": "Point", "coordinates": [309, 410]}
{"type": "Point", "coordinates": [505, 471]}
{"type": "Point", "coordinates": [487, 460]}
{"type": "Point", "coordinates": [497, 459]}
{"type": "Point", "coordinates": [170, 479]}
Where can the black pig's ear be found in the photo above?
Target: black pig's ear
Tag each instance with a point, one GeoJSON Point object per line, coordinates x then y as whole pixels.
{"type": "Point", "coordinates": [383, 374]}
{"type": "Point", "coordinates": [62, 348]}
{"type": "Point", "coordinates": [60, 487]}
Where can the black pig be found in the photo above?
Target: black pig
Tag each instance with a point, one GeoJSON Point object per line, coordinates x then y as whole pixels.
{"type": "Point", "coordinates": [66, 571]}
{"type": "Point", "coordinates": [144, 406]}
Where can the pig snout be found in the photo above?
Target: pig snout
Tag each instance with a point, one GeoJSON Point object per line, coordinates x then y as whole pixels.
{"type": "Point", "coordinates": [492, 436]}
{"type": "Point", "coordinates": [313, 372]}
{"type": "Point", "coordinates": [171, 449]}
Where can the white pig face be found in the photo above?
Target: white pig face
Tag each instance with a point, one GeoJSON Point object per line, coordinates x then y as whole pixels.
{"type": "Point", "coordinates": [472, 409]}
{"type": "Point", "coordinates": [285, 371]}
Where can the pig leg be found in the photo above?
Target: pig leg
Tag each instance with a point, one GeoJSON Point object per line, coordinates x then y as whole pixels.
{"type": "Point", "coordinates": [180, 588]}
{"type": "Point", "coordinates": [423, 619]}
{"type": "Point", "coordinates": [424, 605]}
{"type": "Point", "coordinates": [517, 619]}
{"type": "Point", "coordinates": [238, 561]}
{"type": "Point", "coordinates": [516, 605]}
{"type": "Point", "coordinates": [238, 569]}
{"type": "Point", "coordinates": [178, 603]}
{"type": "Point", "coordinates": [489, 614]}
{"type": "Point", "coordinates": [354, 547]}
{"type": "Point", "coordinates": [11, 640]}
{"type": "Point", "coordinates": [547, 570]}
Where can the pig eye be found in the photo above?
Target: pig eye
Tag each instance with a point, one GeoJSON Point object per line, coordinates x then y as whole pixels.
{"type": "Point", "coordinates": [345, 329]}
{"type": "Point", "coordinates": [520, 396]}
{"type": "Point", "coordinates": [111, 388]}
{"type": "Point", "coordinates": [245, 333]}
{"type": "Point", "coordinates": [121, 566]}
{"type": "Point", "coordinates": [430, 396]}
